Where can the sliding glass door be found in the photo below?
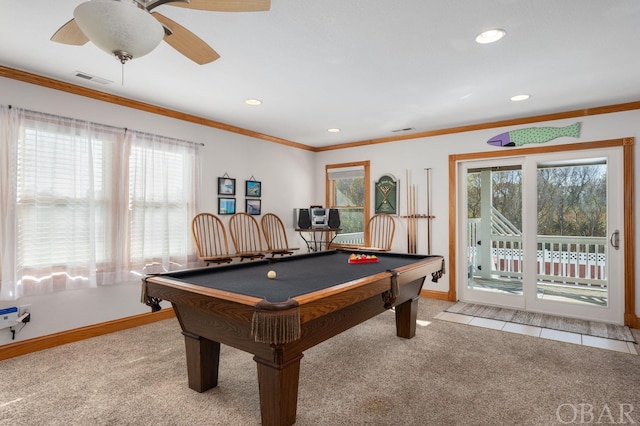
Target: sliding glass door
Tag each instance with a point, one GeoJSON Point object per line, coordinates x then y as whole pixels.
{"type": "Point", "coordinates": [493, 213]}
{"type": "Point", "coordinates": [541, 233]}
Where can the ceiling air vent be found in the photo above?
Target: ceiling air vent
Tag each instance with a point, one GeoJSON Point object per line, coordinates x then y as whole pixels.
{"type": "Point", "coordinates": [406, 129]}
{"type": "Point", "coordinates": [90, 77]}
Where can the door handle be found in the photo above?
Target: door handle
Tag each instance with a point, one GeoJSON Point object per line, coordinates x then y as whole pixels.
{"type": "Point", "coordinates": [615, 239]}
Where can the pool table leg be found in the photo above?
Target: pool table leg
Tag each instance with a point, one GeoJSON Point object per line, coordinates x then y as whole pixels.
{"type": "Point", "coordinates": [203, 359]}
{"type": "Point", "coordinates": [278, 384]}
{"type": "Point", "coordinates": [406, 316]}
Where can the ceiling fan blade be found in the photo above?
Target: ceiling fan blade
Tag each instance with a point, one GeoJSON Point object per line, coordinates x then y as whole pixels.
{"type": "Point", "coordinates": [70, 33]}
{"type": "Point", "coordinates": [186, 42]}
{"type": "Point", "coordinates": [226, 5]}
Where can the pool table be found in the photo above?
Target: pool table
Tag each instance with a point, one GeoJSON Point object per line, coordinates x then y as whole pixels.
{"type": "Point", "coordinates": [313, 297]}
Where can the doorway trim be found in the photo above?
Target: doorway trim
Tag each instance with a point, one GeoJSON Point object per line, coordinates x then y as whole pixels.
{"type": "Point", "coordinates": [627, 144]}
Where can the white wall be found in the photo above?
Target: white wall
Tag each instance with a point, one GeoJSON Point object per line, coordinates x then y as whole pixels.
{"type": "Point", "coordinates": [419, 154]}
{"type": "Point", "coordinates": [290, 178]}
{"type": "Point", "coordinates": [286, 174]}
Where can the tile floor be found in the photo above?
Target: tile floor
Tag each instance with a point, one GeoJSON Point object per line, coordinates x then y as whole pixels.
{"type": "Point", "coordinates": [544, 333]}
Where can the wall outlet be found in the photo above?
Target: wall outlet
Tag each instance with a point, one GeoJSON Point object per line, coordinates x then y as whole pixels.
{"type": "Point", "coordinates": [8, 317]}
{"type": "Point", "coordinates": [23, 310]}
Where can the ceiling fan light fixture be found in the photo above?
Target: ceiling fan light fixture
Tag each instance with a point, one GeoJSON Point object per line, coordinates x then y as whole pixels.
{"type": "Point", "coordinates": [120, 28]}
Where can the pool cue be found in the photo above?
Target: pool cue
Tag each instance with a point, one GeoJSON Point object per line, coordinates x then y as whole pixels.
{"type": "Point", "coordinates": [410, 222]}
{"type": "Point", "coordinates": [415, 219]}
{"type": "Point", "coordinates": [412, 219]}
{"type": "Point", "coordinates": [410, 209]}
{"type": "Point", "coordinates": [428, 184]}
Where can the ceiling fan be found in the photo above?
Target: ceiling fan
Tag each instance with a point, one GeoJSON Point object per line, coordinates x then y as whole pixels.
{"type": "Point", "coordinates": [129, 29]}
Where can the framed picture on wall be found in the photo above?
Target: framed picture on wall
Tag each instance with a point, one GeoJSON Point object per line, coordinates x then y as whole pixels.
{"type": "Point", "coordinates": [226, 205]}
{"type": "Point", "coordinates": [253, 188]}
{"type": "Point", "coordinates": [386, 195]}
{"type": "Point", "coordinates": [226, 186]}
{"type": "Point", "coordinates": [253, 206]}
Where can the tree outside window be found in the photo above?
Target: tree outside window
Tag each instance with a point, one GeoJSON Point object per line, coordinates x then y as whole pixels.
{"type": "Point", "coordinates": [348, 191]}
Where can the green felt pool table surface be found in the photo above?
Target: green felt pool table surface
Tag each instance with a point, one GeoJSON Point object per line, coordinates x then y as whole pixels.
{"type": "Point", "coordinates": [313, 298]}
{"type": "Point", "coordinates": [295, 275]}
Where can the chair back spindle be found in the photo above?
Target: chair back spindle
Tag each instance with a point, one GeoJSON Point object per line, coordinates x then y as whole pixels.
{"type": "Point", "coordinates": [246, 236]}
{"type": "Point", "coordinates": [275, 235]}
{"type": "Point", "coordinates": [380, 231]}
{"type": "Point", "coordinates": [210, 238]}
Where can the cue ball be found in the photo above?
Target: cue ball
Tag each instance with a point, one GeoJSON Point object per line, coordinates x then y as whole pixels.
{"type": "Point", "coordinates": [271, 274]}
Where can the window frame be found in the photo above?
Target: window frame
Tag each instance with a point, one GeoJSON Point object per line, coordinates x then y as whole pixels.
{"type": "Point", "coordinates": [330, 191]}
{"type": "Point", "coordinates": [108, 199]}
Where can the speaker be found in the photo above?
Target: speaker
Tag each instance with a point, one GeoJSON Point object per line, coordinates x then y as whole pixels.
{"type": "Point", "coordinates": [334, 218]}
{"type": "Point", "coordinates": [304, 219]}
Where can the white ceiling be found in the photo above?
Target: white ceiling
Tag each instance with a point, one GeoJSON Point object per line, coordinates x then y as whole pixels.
{"type": "Point", "coordinates": [368, 67]}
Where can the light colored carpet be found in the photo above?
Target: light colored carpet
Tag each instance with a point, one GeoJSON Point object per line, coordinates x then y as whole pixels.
{"type": "Point", "coordinates": [573, 325]}
{"type": "Point", "coordinates": [447, 375]}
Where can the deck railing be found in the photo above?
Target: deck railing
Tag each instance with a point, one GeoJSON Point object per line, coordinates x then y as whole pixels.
{"type": "Point", "coordinates": [567, 260]}
{"type": "Point", "coordinates": [352, 238]}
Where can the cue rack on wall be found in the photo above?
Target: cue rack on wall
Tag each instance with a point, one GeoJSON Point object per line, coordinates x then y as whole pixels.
{"type": "Point", "coordinates": [412, 215]}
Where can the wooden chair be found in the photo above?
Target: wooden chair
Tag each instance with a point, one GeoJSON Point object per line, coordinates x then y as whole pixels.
{"type": "Point", "coordinates": [246, 236]}
{"type": "Point", "coordinates": [379, 232]}
{"type": "Point", "coordinates": [210, 238]}
{"type": "Point", "coordinates": [275, 236]}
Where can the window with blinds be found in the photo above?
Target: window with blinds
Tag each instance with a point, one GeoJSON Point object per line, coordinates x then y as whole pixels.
{"type": "Point", "coordinates": [94, 204]}
{"type": "Point", "coordinates": [160, 206]}
{"type": "Point", "coordinates": [62, 197]}
{"type": "Point", "coordinates": [347, 191]}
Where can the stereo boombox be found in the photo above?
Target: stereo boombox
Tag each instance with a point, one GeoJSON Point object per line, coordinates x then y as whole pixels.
{"type": "Point", "coordinates": [316, 218]}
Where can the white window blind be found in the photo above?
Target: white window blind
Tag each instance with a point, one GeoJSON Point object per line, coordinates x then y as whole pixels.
{"type": "Point", "coordinates": [88, 204]}
{"type": "Point", "coordinates": [61, 196]}
{"type": "Point", "coordinates": [160, 201]}
{"type": "Point", "coordinates": [346, 172]}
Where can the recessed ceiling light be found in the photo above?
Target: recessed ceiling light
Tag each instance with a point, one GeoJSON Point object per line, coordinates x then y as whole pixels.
{"type": "Point", "coordinates": [518, 98]}
{"type": "Point", "coordinates": [253, 102]}
{"type": "Point", "coordinates": [333, 130]}
{"type": "Point", "coordinates": [490, 36]}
